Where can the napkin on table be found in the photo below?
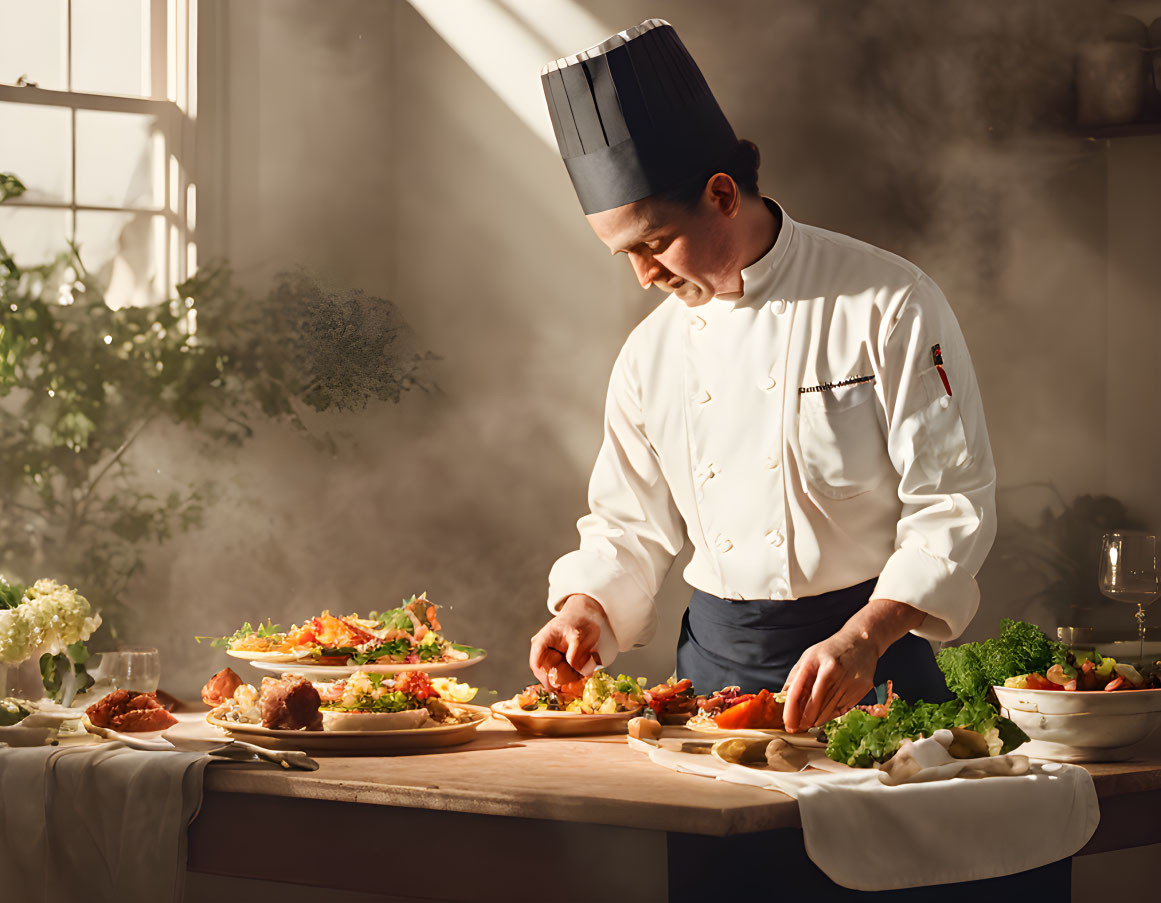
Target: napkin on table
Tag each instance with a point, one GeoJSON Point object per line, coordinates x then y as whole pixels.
{"type": "Point", "coordinates": [96, 823]}
{"type": "Point", "coordinates": [937, 827]}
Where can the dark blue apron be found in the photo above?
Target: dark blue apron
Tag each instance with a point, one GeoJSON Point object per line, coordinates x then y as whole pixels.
{"type": "Point", "coordinates": [754, 644]}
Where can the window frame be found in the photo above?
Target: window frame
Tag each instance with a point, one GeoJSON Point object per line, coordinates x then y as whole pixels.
{"type": "Point", "coordinates": [173, 104]}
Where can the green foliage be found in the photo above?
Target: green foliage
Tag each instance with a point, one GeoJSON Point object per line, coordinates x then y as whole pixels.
{"type": "Point", "coordinates": [55, 671]}
{"type": "Point", "coordinates": [82, 382]}
{"type": "Point", "coordinates": [262, 630]}
{"type": "Point", "coordinates": [971, 670]}
{"type": "Point", "coordinates": [10, 593]}
{"type": "Point", "coordinates": [860, 739]}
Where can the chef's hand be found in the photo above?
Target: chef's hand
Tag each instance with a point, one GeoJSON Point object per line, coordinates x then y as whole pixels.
{"type": "Point", "coordinates": [832, 676]}
{"type": "Point", "coordinates": [563, 646]}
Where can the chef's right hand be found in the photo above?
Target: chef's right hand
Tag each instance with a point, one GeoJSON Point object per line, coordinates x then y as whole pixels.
{"type": "Point", "coordinates": [562, 647]}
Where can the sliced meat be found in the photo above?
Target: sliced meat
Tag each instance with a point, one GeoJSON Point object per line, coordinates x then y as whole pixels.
{"type": "Point", "coordinates": [126, 710]}
{"type": "Point", "coordinates": [221, 687]}
{"type": "Point", "coordinates": [290, 703]}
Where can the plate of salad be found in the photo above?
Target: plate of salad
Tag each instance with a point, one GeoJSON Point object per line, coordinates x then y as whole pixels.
{"type": "Point", "coordinates": [601, 704]}
{"type": "Point", "coordinates": [407, 638]}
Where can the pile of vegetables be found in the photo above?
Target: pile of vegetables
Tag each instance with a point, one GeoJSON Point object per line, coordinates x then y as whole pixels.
{"type": "Point", "coordinates": [861, 737]}
{"type": "Point", "coordinates": [1023, 657]}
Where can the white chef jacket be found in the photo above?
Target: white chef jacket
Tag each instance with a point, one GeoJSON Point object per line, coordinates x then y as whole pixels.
{"type": "Point", "coordinates": [804, 439]}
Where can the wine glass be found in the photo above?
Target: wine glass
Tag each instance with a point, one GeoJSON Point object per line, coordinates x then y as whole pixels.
{"type": "Point", "coordinates": [1128, 572]}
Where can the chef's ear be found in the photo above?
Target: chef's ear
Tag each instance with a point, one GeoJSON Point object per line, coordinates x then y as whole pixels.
{"type": "Point", "coordinates": [723, 194]}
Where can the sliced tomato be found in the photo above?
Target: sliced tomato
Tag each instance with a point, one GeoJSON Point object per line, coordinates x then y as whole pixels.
{"type": "Point", "coordinates": [1116, 683]}
{"type": "Point", "coordinates": [761, 711]}
{"type": "Point", "coordinates": [1036, 681]}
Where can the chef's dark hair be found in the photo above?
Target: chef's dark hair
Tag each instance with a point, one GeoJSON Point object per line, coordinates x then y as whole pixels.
{"type": "Point", "coordinates": [741, 166]}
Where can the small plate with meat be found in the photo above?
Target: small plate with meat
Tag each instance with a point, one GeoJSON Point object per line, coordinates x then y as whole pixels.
{"type": "Point", "coordinates": [366, 712]}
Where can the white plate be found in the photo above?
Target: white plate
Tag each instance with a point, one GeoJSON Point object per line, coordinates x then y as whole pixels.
{"type": "Point", "coordinates": [370, 742]}
{"type": "Point", "coordinates": [255, 657]}
{"type": "Point", "coordinates": [336, 672]}
{"type": "Point", "coordinates": [563, 724]}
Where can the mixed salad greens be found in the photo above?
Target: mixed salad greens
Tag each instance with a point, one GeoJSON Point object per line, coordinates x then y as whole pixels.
{"type": "Point", "coordinates": [870, 734]}
{"type": "Point", "coordinates": [1023, 657]}
{"type": "Point", "coordinates": [409, 634]}
{"type": "Point", "coordinates": [602, 694]}
{"type": "Point", "coordinates": [374, 693]}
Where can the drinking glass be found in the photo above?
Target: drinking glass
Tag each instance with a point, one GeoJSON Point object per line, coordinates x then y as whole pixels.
{"type": "Point", "coordinates": [135, 668]}
{"type": "Point", "coordinates": [1128, 572]}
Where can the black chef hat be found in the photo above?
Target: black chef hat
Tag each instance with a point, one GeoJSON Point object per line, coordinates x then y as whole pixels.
{"type": "Point", "coordinates": [634, 117]}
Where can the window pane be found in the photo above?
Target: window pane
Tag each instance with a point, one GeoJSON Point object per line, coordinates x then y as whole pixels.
{"type": "Point", "coordinates": [34, 43]}
{"type": "Point", "coordinates": [34, 146]}
{"type": "Point", "coordinates": [119, 160]}
{"type": "Point", "coordinates": [111, 47]}
{"type": "Point", "coordinates": [33, 236]}
{"type": "Point", "coordinates": [121, 250]}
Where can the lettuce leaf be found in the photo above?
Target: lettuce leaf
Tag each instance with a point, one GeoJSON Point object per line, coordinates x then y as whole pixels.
{"type": "Point", "coordinates": [860, 739]}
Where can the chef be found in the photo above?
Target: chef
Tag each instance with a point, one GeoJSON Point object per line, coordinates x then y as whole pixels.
{"type": "Point", "coordinates": [801, 405]}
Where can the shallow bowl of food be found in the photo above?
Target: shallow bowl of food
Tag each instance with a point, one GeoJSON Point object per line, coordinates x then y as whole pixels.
{"type": "Point", "coordinates": [563, 724]}
{"type": "Point", "coordinates": [1075, 702]}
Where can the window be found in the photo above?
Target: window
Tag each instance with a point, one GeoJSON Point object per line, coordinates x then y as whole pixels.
{"type": "Point", "coordinates": [98, 102]}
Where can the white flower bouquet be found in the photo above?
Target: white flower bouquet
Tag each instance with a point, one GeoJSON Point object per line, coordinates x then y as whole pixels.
{"type": "Point", "coordinates": [48, 618]}
{"type": "Point", "coordinates": [52, 621]}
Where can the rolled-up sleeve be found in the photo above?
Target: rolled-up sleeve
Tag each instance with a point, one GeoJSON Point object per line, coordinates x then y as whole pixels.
{"type": "Point", "coordinates": [633, 532]}
{"type": "Point", "coordinates": [938, 442]}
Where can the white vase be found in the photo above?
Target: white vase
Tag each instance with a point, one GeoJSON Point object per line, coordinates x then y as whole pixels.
{"type": "Point", "coordinates": [22, 681]}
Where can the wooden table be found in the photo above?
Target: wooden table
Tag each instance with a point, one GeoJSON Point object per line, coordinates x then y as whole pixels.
{"type": "Point", "coordinates": [509, 815]}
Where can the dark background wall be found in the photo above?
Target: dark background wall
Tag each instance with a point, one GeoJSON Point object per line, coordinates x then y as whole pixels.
{"type": "Point", "coordinates": [349, 137]}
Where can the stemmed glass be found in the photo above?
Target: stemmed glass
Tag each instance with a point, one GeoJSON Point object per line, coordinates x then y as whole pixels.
{"type": "Point", "coordinates": [1128, 572]}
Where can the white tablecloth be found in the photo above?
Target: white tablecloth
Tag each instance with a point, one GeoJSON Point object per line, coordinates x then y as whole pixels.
{"type": "Point", "coordinates": [96, 823]}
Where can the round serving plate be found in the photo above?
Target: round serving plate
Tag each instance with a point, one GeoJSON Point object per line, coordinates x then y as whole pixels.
{"type": "Point", "coordinates": [267, 657]}
{"type": "Point", "coordinates": [338, 672]}
{"type": "Point", "coordinates": [563, 724]}
{"type": "Point", "coordinates": [804, 739]}
{"type": "Point", "coordinates": [365, 742]}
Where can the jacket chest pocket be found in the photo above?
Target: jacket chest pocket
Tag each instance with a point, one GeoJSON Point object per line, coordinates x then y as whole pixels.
{"type": "Point", "coordinates": [843, 449]}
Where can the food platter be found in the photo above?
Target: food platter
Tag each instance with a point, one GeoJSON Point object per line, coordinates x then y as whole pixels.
{"type": "Point", "coordinates": [435, 736]}
{"type": "Point", "coordinates": [335, 672]}
{"type": "Point", "coordinates": [804, 740]}
{"type": "Point", "coordinates": [562, 724]}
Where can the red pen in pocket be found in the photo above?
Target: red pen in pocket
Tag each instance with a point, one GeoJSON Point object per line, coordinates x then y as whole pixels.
{"type": "Point", "coordinates": [937, 359]}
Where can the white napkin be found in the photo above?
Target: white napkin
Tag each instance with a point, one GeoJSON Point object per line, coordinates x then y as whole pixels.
{"type": "Point", "coordinates": [96, 823]}
{"type": "Point", "coordinates": [934, 829]}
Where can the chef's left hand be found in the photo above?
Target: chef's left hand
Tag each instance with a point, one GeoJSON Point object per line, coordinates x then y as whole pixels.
{"type": "Point", "coordinates": [830, 678]}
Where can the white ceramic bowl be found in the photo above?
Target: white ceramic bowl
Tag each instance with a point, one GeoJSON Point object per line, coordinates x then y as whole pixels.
{"type": "Point", "coordinates": [1065, 702]}
{"type": "Point", "coordinates": [1085, 726]}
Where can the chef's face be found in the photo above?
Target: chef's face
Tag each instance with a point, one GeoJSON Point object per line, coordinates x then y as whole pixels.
{"type": "Point", "coordinates": [690, 253]}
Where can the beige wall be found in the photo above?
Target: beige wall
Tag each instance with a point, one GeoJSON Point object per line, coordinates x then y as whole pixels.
{"type": "Point", "coordinates": [355, 142]}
